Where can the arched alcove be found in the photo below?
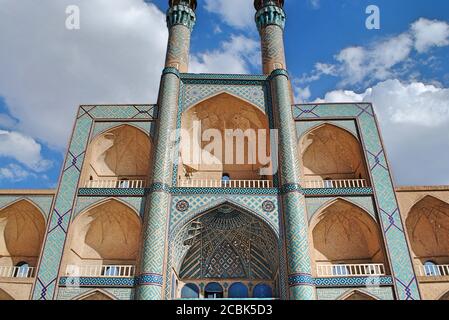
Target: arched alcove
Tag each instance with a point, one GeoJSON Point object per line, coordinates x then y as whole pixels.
{"type": "Point", "coordinates": [331, 153]}
{"type": "Point", "coordinates": [123, 153]}
{"type": "Point", "coordinates": [22, 230]}
{"type": "Point", "coordinates": [428, 230]}
{"type": "Point", "coordinates": [225, 135]}
{"type": "Point", "coordinates": [227, 245]}
{"type": "Point", "coordinates": [344, 234]}
{"type": "Point", "coordinates": [106, 235]}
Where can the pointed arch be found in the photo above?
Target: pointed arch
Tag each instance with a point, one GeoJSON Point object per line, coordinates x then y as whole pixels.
{"type": "Point", "coordinates": [428, 229]}
{"type": "Point", "coordinates": [211, 159]}
{"type": "Point", "coordinates": [22, 230]}
{"type": "Point", "coordinates": [330, 152]}
{"type": "Point", "coordinates": [103, 201]}
{"type": "Point", "coordinates": [121, 152]}
{"type": "Point", "coordinates": [107, 233]}
{"type": "Point", "coordinates": [224, 243]}
{"type": "Point", "coordinates": [343, 232]}
{"type": "Point", "coordinates": [223, 92]}
{"type": "Point", "coordinates": [96, 294]}
{"type": "Point", "coordinates": [358, 295]}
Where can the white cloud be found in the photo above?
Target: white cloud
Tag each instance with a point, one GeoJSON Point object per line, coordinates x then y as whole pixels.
{"type": "Point", "coordinates": [47, 70]}
{"type": "Point", "coordinates": [14, 173]}
{"type": "Point", "coordinates": [23, 149]}
{"type": "Point", "coordinates": [383, 59]}
{"type": "Point", "coordinates": [236, 13]}
{"type": "Point", "coordinates": [430, 33]}
{"type": "Point", "coordinates": [414, 118]}
{"type": "Point", "coordinates": [234, 56]}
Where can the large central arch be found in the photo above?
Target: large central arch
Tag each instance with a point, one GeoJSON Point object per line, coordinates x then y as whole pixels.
{"type": "Point", "coordinates": [230, 248]}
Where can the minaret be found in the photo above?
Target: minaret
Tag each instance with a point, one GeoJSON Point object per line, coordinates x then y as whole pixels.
{"type": "Point", "coordinates": [270, 19]}
{"type": "Point", "coordinates": [180, 21]}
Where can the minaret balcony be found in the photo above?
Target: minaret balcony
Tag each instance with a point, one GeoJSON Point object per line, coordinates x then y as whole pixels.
{"type": "Point", "coordinates": [17, 272]}
{"type": "Point", "coordinates": [115, 184]}
{"type": "Point", "coordinates": [101, 271]}
{"type": "Point", "coordinates": [432, 271]}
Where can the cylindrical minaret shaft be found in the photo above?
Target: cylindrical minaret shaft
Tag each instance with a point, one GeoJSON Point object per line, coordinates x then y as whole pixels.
{"type": "Point", "coordinates": [180, 21]}
{"type": "Point", "coordinates": [270, 19]}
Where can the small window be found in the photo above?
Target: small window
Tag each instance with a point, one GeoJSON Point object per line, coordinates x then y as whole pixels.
{"type": "Point", "coordinates": [190, 291]}
{"type": "Point", "coordinates": [340, 270]}
{"type": "Point", "coordinates": [226, 179]}
{"type": "Point", "coordinates": [124, 184]}
{"type": "Point", "coordinates": [431, 269]}
{"type": "Point", "coordinates": [328, 183]}
{"type": "Point", "coordinates": [213, 291]}
{"type": "Point", "coordinates": [262, 291]}
{"type": "Point", "coordinates": [22, 270]}
{"type": "Point", "coordinates": [111, 271]}
{"type": "Point", "coordinates": [238, 291]}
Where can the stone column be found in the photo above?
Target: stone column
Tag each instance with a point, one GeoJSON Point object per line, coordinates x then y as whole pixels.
{"type": "Point", "coordinates": [270, 19]}
{"type": "Point", "coordinates": [180, 21]}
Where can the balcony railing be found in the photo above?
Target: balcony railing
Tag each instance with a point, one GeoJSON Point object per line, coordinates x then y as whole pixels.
{"type": "Point", "coordinates": [115, 184]}
{"type": "Point", "coordinates": [433, 271]}
{"type": "Point", "coordinates": [350, 270]}
{"type": "Point", "coordinates": [231, 184]}
{"type": "Point", "coordinates": [17, 272]}
{"type": "Point", "coordinates": [334, 184]}
{"type": "Point", "coordinates": [101, 271]}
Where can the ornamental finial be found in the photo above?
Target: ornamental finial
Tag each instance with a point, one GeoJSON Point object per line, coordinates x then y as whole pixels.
{"type": "Point", "coordinates": [259, 4]}
{"type": "Point", "coordinates": [188, 3]}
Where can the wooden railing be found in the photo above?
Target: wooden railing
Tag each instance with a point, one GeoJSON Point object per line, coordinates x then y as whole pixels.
{"type": "Point", "coordinates": [433, 270]}
{"type": "Point", "coordinates": [350, 270]}
{"type": "Point", "coordinates": [101, 271]}
{"type": "Point", "coordinates": [115, 184]}
{"type": "Point", "coordinates": [17, 272]}
{"type": "Point", "coordinates": [334, 184]}
{"type": "Point", "coordinates": [231, 184]}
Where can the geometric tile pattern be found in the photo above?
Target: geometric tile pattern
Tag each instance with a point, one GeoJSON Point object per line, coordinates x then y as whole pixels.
{"type": "Point", "coordinates": [71, 293]}
{"type": "Point", "coordinates": [64, 203]}
{"type": "Point", "coordinates": [405, 281]}
{"type": "Point", "coordinates": [353, 282]}
{"type": "Point", "coordinates": [97, 282]}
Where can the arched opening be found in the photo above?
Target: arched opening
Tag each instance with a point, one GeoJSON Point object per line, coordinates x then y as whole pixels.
{"type": "Point", "coordinates": [229, 247]}
{"type": "Point", "coordinates": [225, 136]}
{"type": "Point", "coordinates": [118, 158]}
{"type": "Point", "coordinates": [214, 290]}
{"type": "Point", "coordinates": [428, 230]}
{"type": "Point", "coordinates": [190, 291]}
{"type": "Point", "coordinates": [262, 291]}
{"type": "Point", "coordinates": [96, 295]}
{"type": "Point", "coordinates": [347, 242]}
{"type": "Point", "coordinates": [104, 242]}
{"type": "Point", "coordinates": [238, 291]}
{"type": "Point", "coordinates": [359, 296]}
{"type": "Point", "coordinates": [332, 158]}
{"type": "Point", "coordinates": [5, 296]}
{"type": "Point", "coordinates": [22, 229]}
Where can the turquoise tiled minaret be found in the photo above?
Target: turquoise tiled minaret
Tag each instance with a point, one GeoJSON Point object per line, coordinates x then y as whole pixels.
{"type": "Point", "coordinates": [270, 19]}
{"type": "Point", "coordinates": [180, 20]}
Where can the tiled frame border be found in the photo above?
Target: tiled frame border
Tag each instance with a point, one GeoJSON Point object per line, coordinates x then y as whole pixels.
{"type": "Point", "coordinates": [45, 285]}
{"type": "Point", "coordinates": [405, 282]}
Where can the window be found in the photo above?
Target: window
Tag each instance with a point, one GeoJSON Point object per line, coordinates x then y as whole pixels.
{"type": "Point", "coordinates": [22, 270]}
{"type": "Point", "coordinates": [328, 183]}
{"type": "Point", "coordinates": [238, 291]}
{"type": "Point", "coordinates": [262, 291]}
{"type": "Point", "coordinates": [340, 270]}
{"type": "Point", "coordinates": [190, 291]}
{"type": "Point", "coordinates": [213, 291]}
{"type": "Point", "coordinates": [111, 271]}
{"type": "Point", "coordinates": [431, 269]}
{"type": "Point", "coordinates": [124, 183]}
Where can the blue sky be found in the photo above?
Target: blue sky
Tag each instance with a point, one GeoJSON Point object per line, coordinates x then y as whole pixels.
{"type": "Point", "coordinates": [117, 56]}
